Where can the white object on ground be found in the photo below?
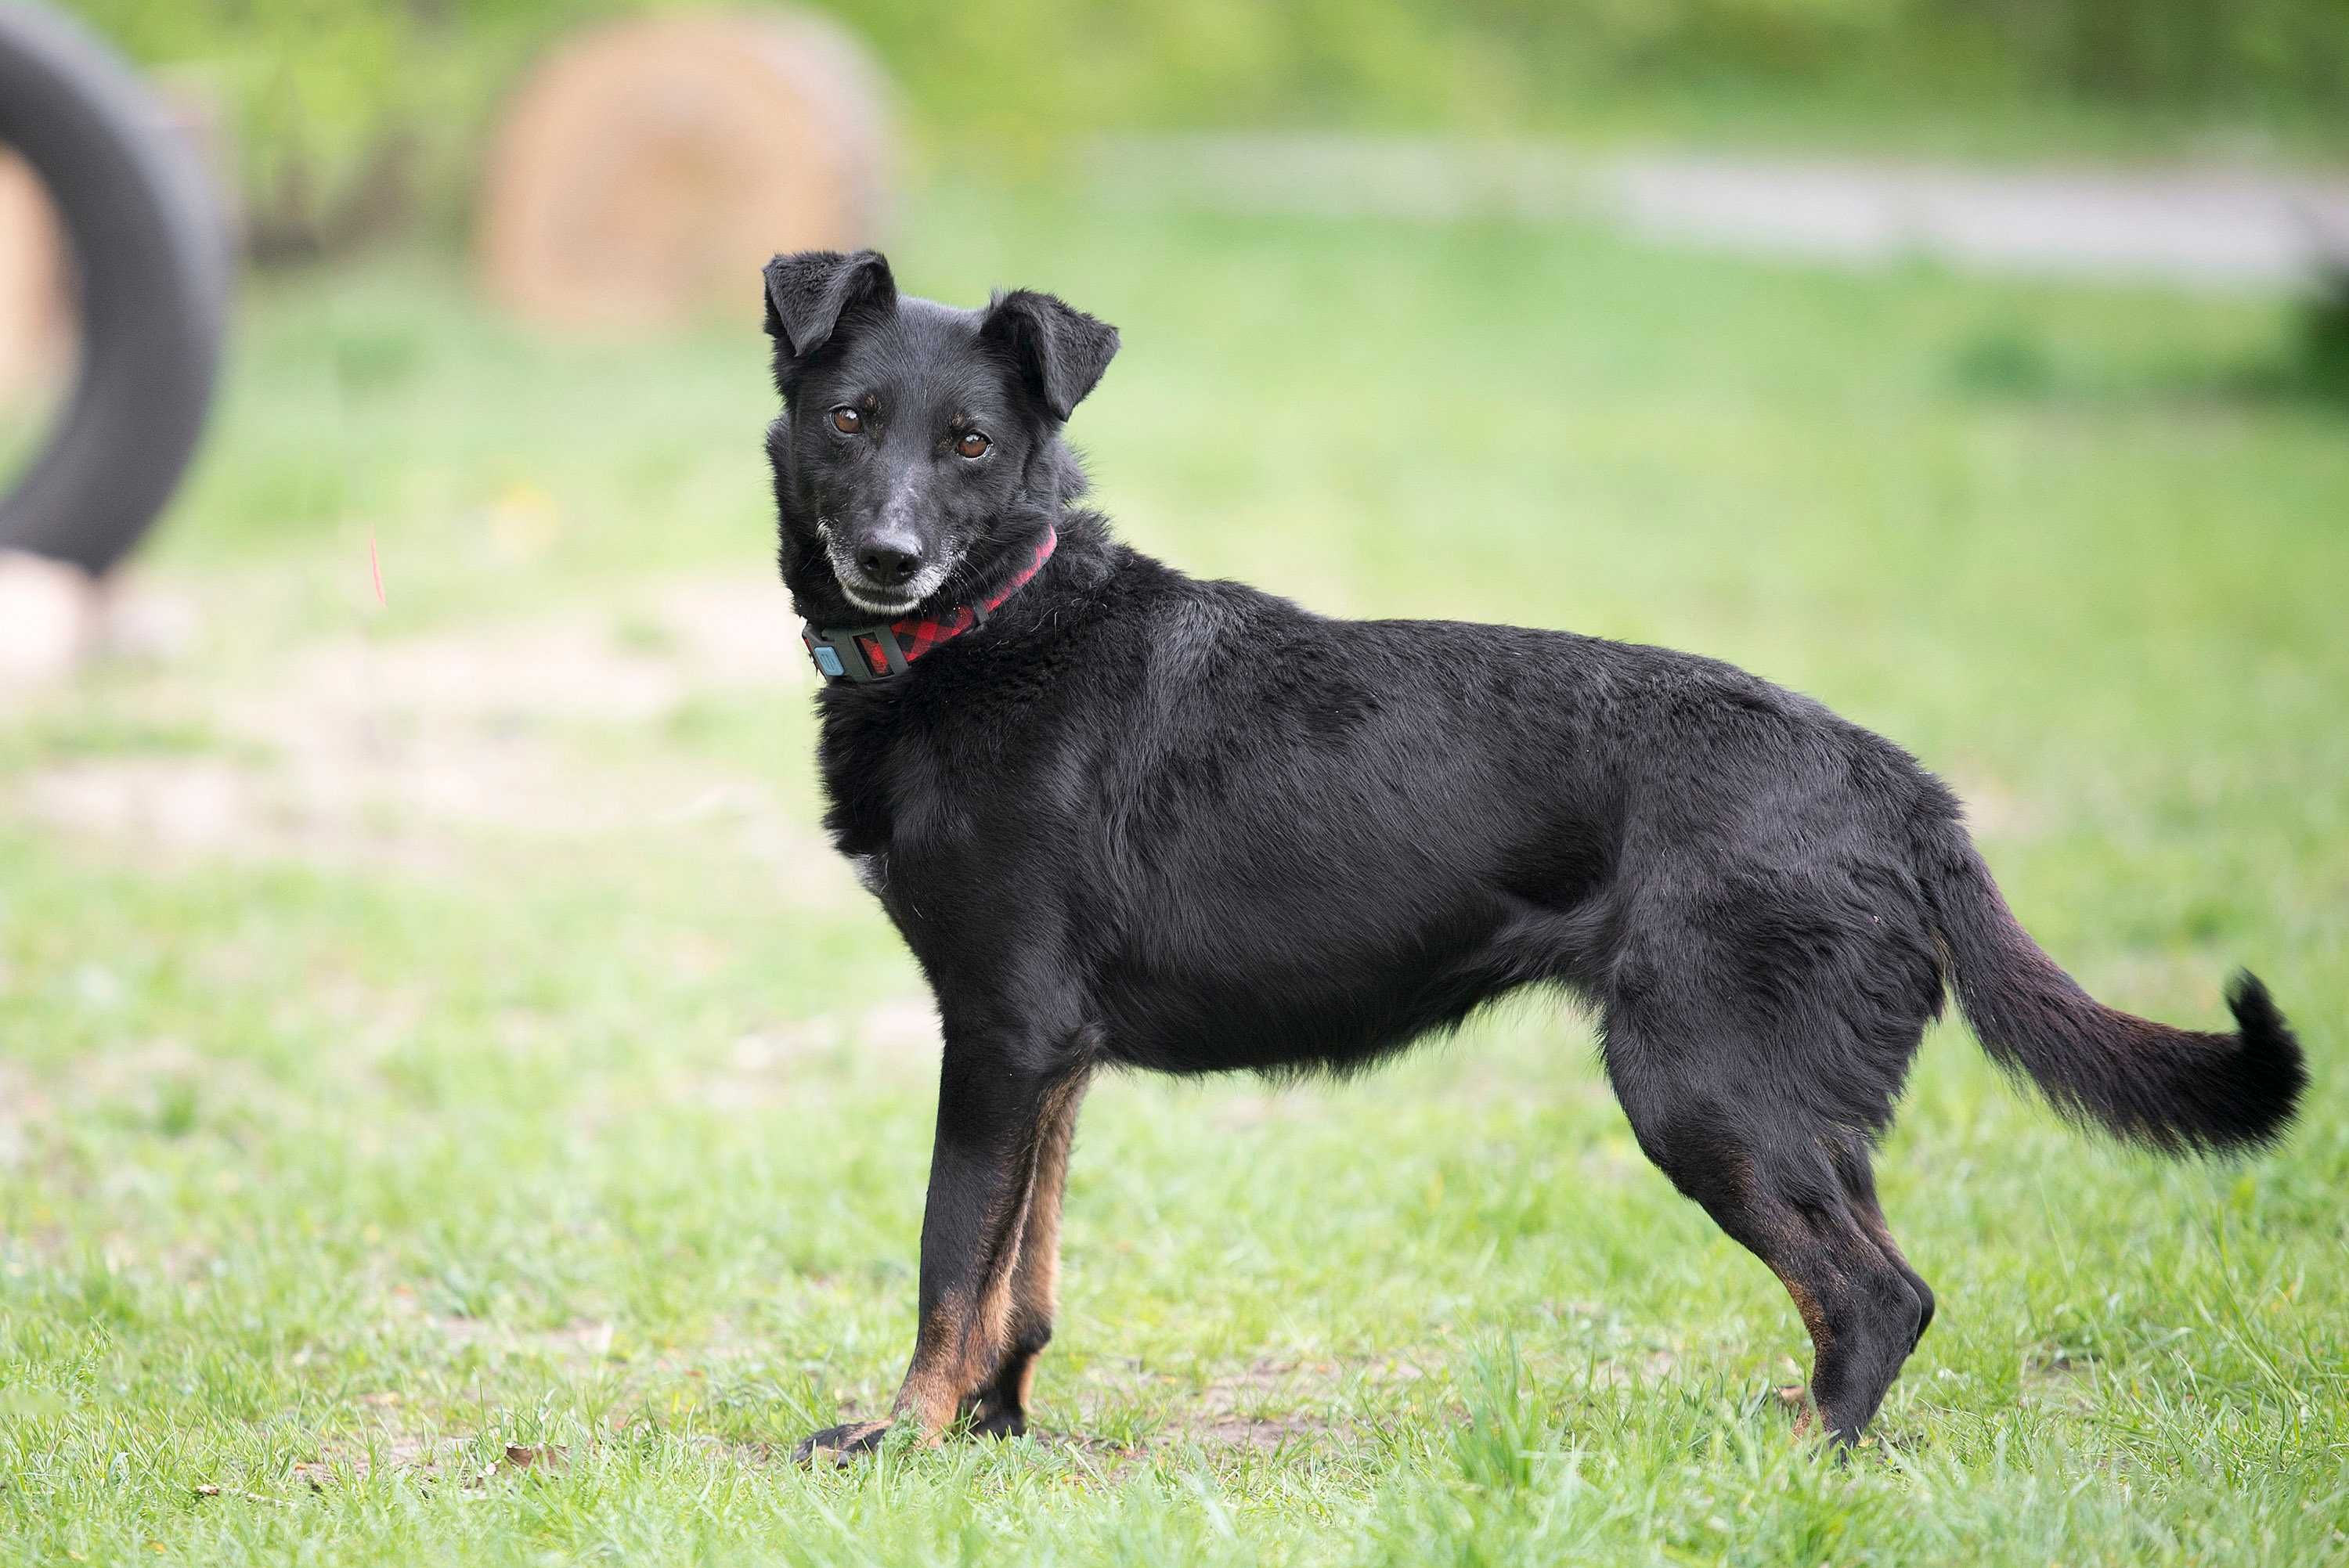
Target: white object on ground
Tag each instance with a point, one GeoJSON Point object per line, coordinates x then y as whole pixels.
{"type": "Point", "coordinates": [48, 612]}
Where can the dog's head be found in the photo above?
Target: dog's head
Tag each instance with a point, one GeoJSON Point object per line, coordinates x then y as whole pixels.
{"type": "Point", "coordinates": [914, 436]}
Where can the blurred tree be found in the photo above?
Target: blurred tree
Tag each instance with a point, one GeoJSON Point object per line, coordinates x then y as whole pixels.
{"type": "Point", "coordinates": [357, 115]}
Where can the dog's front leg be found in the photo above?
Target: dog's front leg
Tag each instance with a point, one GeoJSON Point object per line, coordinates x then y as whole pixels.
{"type": "Point", "coordinates": [1000, 1408]}
{"type": "Point", "coordinates": [996, 1090]}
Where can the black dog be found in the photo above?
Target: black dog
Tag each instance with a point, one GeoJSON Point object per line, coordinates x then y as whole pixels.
{"type": "Point", "coordinates": [1127, 818]}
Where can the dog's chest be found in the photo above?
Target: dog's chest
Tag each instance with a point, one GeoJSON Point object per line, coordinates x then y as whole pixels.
{"type": "Point", "coordinates": [904, 802]}
{"type": "Point", "coordinates": [863, 773]}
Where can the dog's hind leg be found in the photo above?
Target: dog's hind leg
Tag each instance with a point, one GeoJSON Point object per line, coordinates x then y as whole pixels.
{"type": "Point", "coordinates": [1730, 1138]}
{"type": "Point", "coordinates": [1000, 1409]}
{"type": "Point", "coordinates": [1849, 1156]}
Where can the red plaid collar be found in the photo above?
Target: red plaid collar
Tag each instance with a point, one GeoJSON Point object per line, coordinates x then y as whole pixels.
{"type": "Point", "coordinates": [866, 653]}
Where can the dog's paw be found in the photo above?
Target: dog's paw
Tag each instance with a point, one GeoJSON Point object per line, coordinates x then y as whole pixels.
{"type": "Point", "coordinates": [989, 1419]}
{"type": "Point", "coordinates": [841, 1445]}
{"type": "Point", "coordinates": [985, 1413]}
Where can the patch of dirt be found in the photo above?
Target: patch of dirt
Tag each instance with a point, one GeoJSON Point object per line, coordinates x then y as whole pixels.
{"type": "Point", "coordinates": [764, 1068]}
{"type": "Point", "coordinates": [1265, 1434]}
{"type": "Point", "coordinates": [411, 753]}
{"type": "Point", "coordinates": [1275, 1405]}
{"type": "Point", "coordinates": [578, 1343]}
{"type": "Point", "coordinates": [430, 1461]}
{"type": "Point", "coordinates": [1643, 1371]}
{"type": "Point", "coordinates": [1268, 1406]}
{"type": "Point", "coordinates": [634, 665]}
{"type": "Point", "coordinates": [423, 1459]}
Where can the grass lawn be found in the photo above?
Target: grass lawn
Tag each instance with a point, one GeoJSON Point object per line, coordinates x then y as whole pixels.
{"type": "Point", "coordinates": [454, 1107]}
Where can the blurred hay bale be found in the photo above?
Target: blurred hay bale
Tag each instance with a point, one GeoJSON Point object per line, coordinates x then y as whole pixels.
{"type": "Point", "coordinates": [35, 311]}
{"type": "Point", "coordinates": [645, 171]}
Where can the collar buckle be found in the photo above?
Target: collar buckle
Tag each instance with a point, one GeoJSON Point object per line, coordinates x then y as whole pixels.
{"type": "Point", "coordinates": [840, 655]}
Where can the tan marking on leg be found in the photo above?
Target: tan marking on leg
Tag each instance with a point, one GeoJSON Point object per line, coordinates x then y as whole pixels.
{"type": "Point", "coordinates": [1806, 1403]}
{"type": "Point", "coordinates": [962, 1339]}
{"type": "Point", "coordinates": [1022, 1386]}
{"type": "Point", "coordinates": [961, 1348]}
{"type": "Point", "coordinates": [1807, 1304]}
{"type": "Point", "coordinates": [1036, 1284]}
{"type": "Point", "coordinates": [936, 1381]}
{"type": "Point", "coordinates": [991, 1319]}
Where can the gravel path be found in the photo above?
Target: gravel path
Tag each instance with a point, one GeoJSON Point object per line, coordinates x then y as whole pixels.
{"type": "Point", "coordinates": [2208, 227]}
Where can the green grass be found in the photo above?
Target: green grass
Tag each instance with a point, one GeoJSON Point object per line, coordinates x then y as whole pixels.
{"type": "Point", "coordinates": [339, 1151]}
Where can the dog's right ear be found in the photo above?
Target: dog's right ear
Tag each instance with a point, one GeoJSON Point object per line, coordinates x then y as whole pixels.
{"type": "Point", "coordinates": [1061, 351]}
{"type": "Point", "coordinates": [810, 292]}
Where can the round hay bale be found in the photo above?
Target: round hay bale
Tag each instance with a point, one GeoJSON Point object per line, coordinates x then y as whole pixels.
{"type": "Point", "coordinates": [647, 169]}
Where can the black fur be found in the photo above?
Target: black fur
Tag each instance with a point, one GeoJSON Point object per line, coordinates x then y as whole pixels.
{"type": "Point", "coordinates": [1145, 821]}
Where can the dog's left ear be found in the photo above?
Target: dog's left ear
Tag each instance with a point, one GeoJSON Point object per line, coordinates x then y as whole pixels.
{"type": "Point", "coordinates": [1061, 351]}
{"type": "Point", "coordinates": [808, 292]}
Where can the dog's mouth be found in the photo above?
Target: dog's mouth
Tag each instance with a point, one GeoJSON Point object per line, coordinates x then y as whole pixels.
{"type": "Point", "coordinates": [872, 604]}
{"type": "Point", "coordinates": [871, 597]}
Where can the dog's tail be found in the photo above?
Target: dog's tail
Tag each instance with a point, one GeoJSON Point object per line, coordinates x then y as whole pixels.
{"type": "Point", "coordinates": [2176, 1090]}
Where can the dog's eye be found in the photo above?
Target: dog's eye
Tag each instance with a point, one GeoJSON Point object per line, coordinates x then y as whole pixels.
{"type": "Point", "coordinates": [972, 444]}
{"type": "Point", "coordinates": [847, 420]}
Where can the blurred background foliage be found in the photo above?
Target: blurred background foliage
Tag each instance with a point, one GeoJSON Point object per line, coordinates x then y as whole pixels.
{"type": "Point", "coordinates": [351, 117]}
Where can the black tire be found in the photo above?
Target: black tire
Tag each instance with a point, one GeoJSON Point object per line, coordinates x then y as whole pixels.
{"type": "Point", "coordinates": [151, 264]}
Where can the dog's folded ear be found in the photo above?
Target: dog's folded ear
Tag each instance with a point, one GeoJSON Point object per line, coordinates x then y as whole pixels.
{"type": "Point", "coordinates": [808, 293]}
{"type": "Point", "coordinates": [1060, 350]}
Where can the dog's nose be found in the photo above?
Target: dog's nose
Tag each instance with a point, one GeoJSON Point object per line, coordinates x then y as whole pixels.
{"type": "Point", "coordinates": [888, 565]}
